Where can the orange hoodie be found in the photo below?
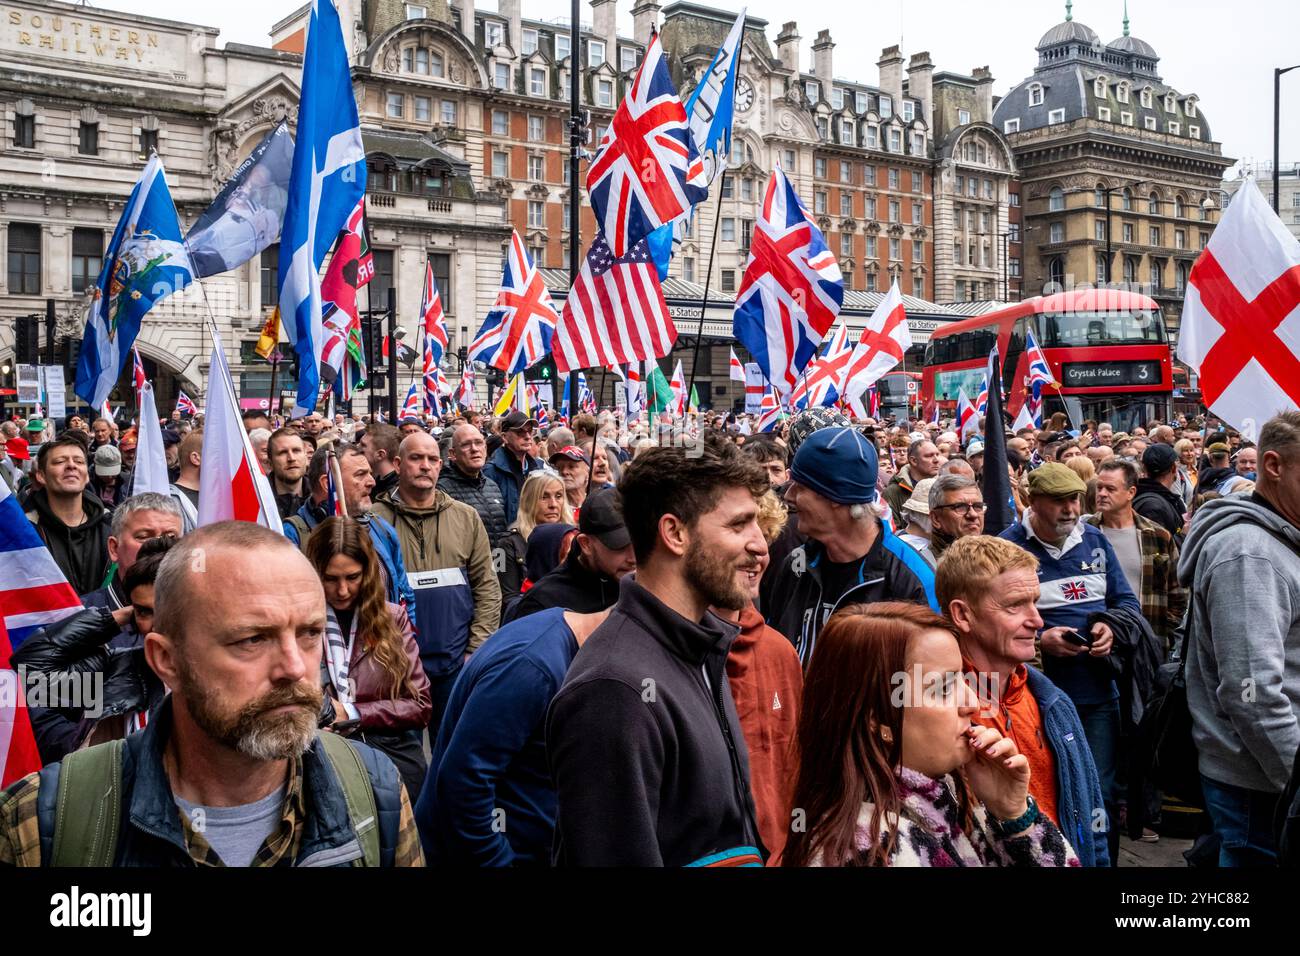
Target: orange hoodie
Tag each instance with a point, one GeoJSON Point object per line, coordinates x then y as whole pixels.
{"type": "Point", "coordinates": [767, 685]}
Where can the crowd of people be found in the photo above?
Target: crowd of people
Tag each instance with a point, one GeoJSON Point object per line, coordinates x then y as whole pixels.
{"type": "Point", "coordinates": [660, 643]}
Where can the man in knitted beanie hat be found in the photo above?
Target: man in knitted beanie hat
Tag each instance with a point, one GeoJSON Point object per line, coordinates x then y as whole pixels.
{"type": "Point", "coordinates": [850, 557]}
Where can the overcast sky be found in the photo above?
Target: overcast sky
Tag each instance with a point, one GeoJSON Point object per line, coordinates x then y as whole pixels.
{"type": "Point", "coordinates": [1223, 52]}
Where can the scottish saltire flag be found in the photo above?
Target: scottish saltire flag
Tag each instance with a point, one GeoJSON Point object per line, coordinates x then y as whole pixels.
{"type": "Point", "coordinates": [821, 382]}
{"type": "Point", "coordinates": [517, 332]}
{"type": "Point", "coordinates": [646, 172]}
{"type": "Point", "coordinates": [710, 110]}
{"type": "Point", "coordinates": [146, 261]}
{"type": "Point", "coordinates": [327, 181]}
{"type": "Point", "coordinates": [33, 591]}
{"type": "Point", "coordinates": [792, 289]}
{"type": "Point", "coordinates": [185, 405]}
{"type": "Point", "coordinates": [1040, 373]}
{"type": "Point", "coordinates": [411, 407]}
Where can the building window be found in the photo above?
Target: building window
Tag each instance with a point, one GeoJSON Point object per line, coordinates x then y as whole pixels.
{"type": "Point", "coordinates": [537, 253]}
{"type": "Point", "coordinates": [535, 169]}
{"type": "Point", "coordinates": [1146, 98]}
{"type": "Point", "coordinates": [1180, 238]}
{"type": "Point", "coordinates": [963, 117]}
{"type": "Point", "coordinates": [416, 11]}
{"type": "Point", "coordinates": [846, 244]}
{"type": "Point", "coordinates": [909, 110]}
{"type": "Point", "coordinates": [747, 189]}
{"type": "Point", "coordinates": [896, 249]}
{"type": "Point", "coordinates": [566, 216]}
{"type": "Point", "coordinates": [1099, 87]}
{"type": "Point", "coordinates": [441, 263]}
{"type": "Point", "coordinates": [1126, 200]}
{"type": "Point", "coordinates": [823, 128]}
{"type": "Point", "coordinates": [530, 42]}
{"type": "Point", "coordinates": [1178, 207]}
{"type": "Point", "coordinates": [500, 123]}
{"type": "Point", "coordinates": [1056, 116]}
{"type": "Point", "coordinates": [1099, 230]}
{"type": "Point", "coordinates": [819, 201]}
{"type": "Point", "coordinates": [956, 253]}
{"type": "Point", "coordinates": [595, 53]}
{"type": "Point", "coordinates": [1013, 232]}
{"type": "Point", "coordinates": [492, 34]}
{"type": "Point", "coordinates": [1011, 125]}
{"type": "Point", "coordinates": [1103, 113]}
{"type": "Point", "coordinates": [1180, 278]}
{"type": "Point", "coordinates": [536, 132]}
{"type": "Point", "coordinates": [846, 171]}
{"type": "Point", "coordinates": [1013, 267]}
{"type": "Point", "coordinates": [423, 108]}
{"type": "Point", "coordinates": [627, 58]}
{"type": "Point", "coordinates": [604, 92]}
{"type": "Point", "coordinates": [873, 136]}
{"type": "Point", "coordinates": [728, 227]}
{"type": "Point", "coordinates": [1099, 196]}
{"type": "Point", "coordinates": [688, 269]}
{"type": "Point", "coordinates": [886, 107]}
{"type": "Point", "coordinates": [87, 257]}
{"type": "Point", "coordinates": [871, 247]}
{"type": "Point", "coordinates": [501, 76]}
{"type": "Point", "coordinates": [1035, 94]}
{"type": "Point", "coordinates": [1189, 107]}
{"type": "Point", "coordinates": [24, 130]}
{"type": "Point", "coordinates": [984, 222]}
{"type": "Point", "coordinates": [871, 282]}
{"type": "Point", "coordinates": [1171, 105]}
{"type": "Point", "coordinates": [894, 210]}
{"type": "Point", "coordinates": [728, 280]}
{"type": "Point", "coordinates": [1153, 236]}
{"type": "Point", "coordinates": [1194, 131]}
{"type": "Point", "coordinates": [1175, 128]}
{"type": "Point", "coordinates": [269, 268]}
{"type": "Point", "coordinates": [860, 102]}
{"type": "Point", "coordinates": [562, 48]}
{"type": "Point", "coordinates": [396, 105]}
{"type": "Point", "coordinates": [960, 295]}
{"type": "Point", "coordinates": [918, 144]}
{"type": "Point", "coordinates": [24, 259]}
{"type": "Point", "coordinates": [1056, 232]}
{"type": "Point", "coordinates": [918, 250]}
{"type": "Point", "coordinates": [1155, 274]}
{"type": "Point", "coordinates": [961, 185]}
{"type": "Point", "coordinates": [813, 90]}
{"type": "Point", "coordinates": [1128, 232]}
{"type": "Point", "coordinates": [916, 213]}
{"type": "Point", "coordinates": [746, 233]}
{"type": "Point", "coordinates": [1149, 122]}
{"type": "Point", "coordinates": [973, 188]}
{"type": "Point", "coordinates": [536, 214]}
{"type": "Point", "coordinates": [893, 179]}
{"type": "Point", "coordinates": [148, 141]}
{"type": "Point", "coordinates": [1056, 199]}
{"type": "Point", "coordinates": [500, 164]}
{"type": "Point", "coordinates": [846, 132]}
{"type": "Point", "coordinates": [837, 98]}
{"type": "Point", "coordinates": [846, 204]}
{"type": "Point", "coordinates": [1126, 118]}
{"type": "Point", "coordinates": [789, 161]}
{"type": "Point", "coordinates": [819, 168]}
{"type": "Point", "coordinates": [1205, 239]}
{"type": "Point", "coordinates": [895, 140]}
{"type": "Point", "coordinates": [1101, 277]}
{"type": "Point", "coordinates": [537, 82]}
{"type": "Point", "coordinates": [448, 112]}
{"type": "Point", "coordinates": [728, 186]}
{"type": "Point", "coordinates": [88, 140]}
{"type": "Point", "coordinates": [917, 181]}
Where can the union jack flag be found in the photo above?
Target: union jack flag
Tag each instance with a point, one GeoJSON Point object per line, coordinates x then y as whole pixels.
{"type": "Point", "coordinates": [185, 405]}
{"type": "Point", "coordinates": [647, 171]}
{"type": "Point", "coordinates": [873, 400]}
{"type": "Point", "coordinates": [1040, 373]}
{"type": "Point", "coordinates": [1075, 590]}
{"type": "Point", "coordinates": [411, 408]}
{"type": "Point", "coordinates": [517, 332]}
{"type": "Point", "coordinates": [792, 290]}
{"type": "Point", "coordinates": [821, 382]}
{"type": "Point", "coordinates": [982, 400]}
{"type": "Point", "coordinates": [543, 416]}
{"type": "Point", "coordinates": [137, 371]}
{"type": "Point", "coordinates": [770, 411]}
{"type": "Point", "coordinates": [434, 323]}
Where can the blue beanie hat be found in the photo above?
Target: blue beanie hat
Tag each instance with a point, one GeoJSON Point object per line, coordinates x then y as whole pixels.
{"type": "Point", "coordinates": [839, 464]}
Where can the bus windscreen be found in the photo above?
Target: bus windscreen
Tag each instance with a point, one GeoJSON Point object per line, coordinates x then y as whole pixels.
{"type": "Point", "coordinates": [1091, 329]}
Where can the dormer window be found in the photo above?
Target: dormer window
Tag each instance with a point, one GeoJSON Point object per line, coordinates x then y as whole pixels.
{"type": "Point", "coordinates": [1011, 125]}
{"type": "Point", "coordinates": [1036, 94]}
{"type": "Point", "coordinates": [1146, 98]}
{"type": "Point", "coordinates": [1150, 122]}
{"type": "Point", "coordinates": [1194, 131]}
{"type": "Point", "coordinates": [1189, 107]}
{"type": "Point", "coordinates": [416, 11]}
{"type": "Point", "coordinates": [837, 98]}
{"type": "Point", "coordinates": [492, 34]}
{"type": "Point", "coordinates": [627, 58]}
{"type": "Point", "coordinates": [846, 132]}
{"type": "Point", "coordinates": [963, 117]}
{"type": "Point", "coordinates": [530, 42]}
{"type": "Point", "coordinates": [1099, 87]}
{"type": "Point", "coordinates": [909, 110]}
{"type": "Point", "coordinates": [1175, 129]}
{"type": "Point", "coordinates": [812, 89]}
{"type": "Point", "coordinates": [1056, 116]}
{"type": "Point", "coordinates": [1121, 92]}
{"type": "Point", "coordinates": [860, 102]}
{"type": "Point", "coordinates": [886, 107]}
{"type": "Point", "coordinates": [595, 53]}
{"type": "Point", "coordinates": [1171, 105]}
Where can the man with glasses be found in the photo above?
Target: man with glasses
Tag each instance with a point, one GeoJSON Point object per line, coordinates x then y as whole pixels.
{"type": "Point", "coordinates": [512, 462]}
{"type": "Point", "coordinates": [956, 511]}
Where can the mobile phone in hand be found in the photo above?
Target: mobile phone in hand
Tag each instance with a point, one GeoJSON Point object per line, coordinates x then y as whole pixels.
{"type": "Point", "coordinates": [1074, 637]}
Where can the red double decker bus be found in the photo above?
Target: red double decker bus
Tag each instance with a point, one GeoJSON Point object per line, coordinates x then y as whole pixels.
{"type": "Point", "coordinates": [1108, 350]}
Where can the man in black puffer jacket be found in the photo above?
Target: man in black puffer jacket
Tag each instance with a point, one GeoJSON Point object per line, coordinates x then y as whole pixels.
{"type": "Point", "coordinates": [463, 479]}
{"type": "Point", "coordinates": [1155, 496]}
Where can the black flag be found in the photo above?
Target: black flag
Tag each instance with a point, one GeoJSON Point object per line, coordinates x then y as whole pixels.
{"type": "Point", "coordinates": [995, 480]}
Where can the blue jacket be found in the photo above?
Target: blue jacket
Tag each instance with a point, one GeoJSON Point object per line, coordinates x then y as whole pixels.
{"type": "Point", "coordinates": [384, 537]}
{"type": "Point", "coordinates": [509, 475]}
{"type": "Point", "coordinates": [490, 753]}
{"type": "Point", "coordinates": [150, 832]}
{"type": "Point", "coordinates": [1081, 577]}
{"type": "Point", "coordinates": [1078, 789]}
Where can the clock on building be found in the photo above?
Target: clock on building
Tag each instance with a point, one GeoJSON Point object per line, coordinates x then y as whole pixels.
{"type": "Point", "coordinates": [744, 94]}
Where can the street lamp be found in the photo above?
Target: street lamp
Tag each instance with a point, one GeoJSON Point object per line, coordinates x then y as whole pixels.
{"type": "Point", "coordinates": [1277, 121]}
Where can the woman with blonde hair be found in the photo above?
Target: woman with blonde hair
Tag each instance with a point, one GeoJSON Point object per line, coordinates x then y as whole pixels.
{"type": "Point", "coordinates": [541, 501]}
{"type": "Point", "coordinates": [892, 769]}
{"type": "Point", "coordinates": [370, 666]}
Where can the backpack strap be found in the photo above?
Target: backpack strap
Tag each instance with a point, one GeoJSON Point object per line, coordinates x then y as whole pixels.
{"type": "Point", "coordinates": [357, 790]}
{"type": "Point", "coordinates": [299, 525]}
{"type": "Point", "coordinates": [88, 813]}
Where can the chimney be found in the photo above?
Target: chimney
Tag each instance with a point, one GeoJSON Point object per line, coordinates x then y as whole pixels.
{"type": "Point", "coordinates": [787, 46]}
{"type": "Point", "coordinates": [466, 10]}
{"type": "Point", "coordinates": [984, 93]}
{"type": "Point", "coordinates": [822, 58]}
{"type": "Point", "coordinates": [645, 20]}
{"type": "Point", "coordinates": [604, 25]}
{"type": "Point", "coordinates": [920, 85]}
{"type": "Point", "coordinates": [514, 30]}
{"type": "Point", "coordinates": [891, 73]}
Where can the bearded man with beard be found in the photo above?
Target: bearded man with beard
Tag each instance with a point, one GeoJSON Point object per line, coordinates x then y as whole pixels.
{"type": "Point", "coordinates": [646, 752]}
{"type": "Point", "coordinates": [1078, 575]}
{"type": "Point", "coordinates": [230, 769]}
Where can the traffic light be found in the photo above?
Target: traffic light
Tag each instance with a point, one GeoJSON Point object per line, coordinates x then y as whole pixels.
{"type": "Point", "coordinates": [496, 377]}
{"type": "Point", "coordinates": [71, 356]}
{"type": "Point", "coordinates": [26, 339]}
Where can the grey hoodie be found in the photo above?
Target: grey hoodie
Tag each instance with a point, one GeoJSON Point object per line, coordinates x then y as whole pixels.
{"type": "Point", "coordinates": [1243, 656]}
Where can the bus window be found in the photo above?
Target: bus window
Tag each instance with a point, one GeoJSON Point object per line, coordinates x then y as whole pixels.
{"type": "Point", "coordinates": [1015, 348]}
{"type": "Point", "coordinates": [1078, 329]}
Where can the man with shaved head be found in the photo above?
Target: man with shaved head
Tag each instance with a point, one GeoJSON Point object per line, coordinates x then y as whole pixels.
{"type": "Point", "coordinates": [230, 770]}
{"type": "Point", "coordinates": [449, 562]}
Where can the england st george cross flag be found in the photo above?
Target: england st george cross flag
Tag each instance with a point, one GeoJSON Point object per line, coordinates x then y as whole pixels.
{"type": "Point", "coordinates": [329, 176]}
{"type": "Point", "coordinates": [146, 261]}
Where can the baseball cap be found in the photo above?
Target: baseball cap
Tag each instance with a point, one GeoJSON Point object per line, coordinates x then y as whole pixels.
{"type": "Point", "coordinates": [108, 461]}
{"type": "Point", "coordinates": [602, 518]}
{"type": "Point", "coordinates": [920, 500]}
{"type": "Point", "coordinates": [570, 452]}
{"type": "Point", "coordinates": [976, 447]}
{"type": "Point", "coordinates": [517, 419]}
{"type": "Point", "coordinates": [1158, 459]}
{"type": "Point", "coordinates": [1055, 480]}
{"type": "Point", "coordinates": [839, 464]}
{"type": "Point", "coordinates": [16, 448]}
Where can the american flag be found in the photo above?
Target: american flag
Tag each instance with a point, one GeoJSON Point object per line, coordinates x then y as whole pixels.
{"type": "Point", "coordinates": [137, 371]}
{"type": "Point", "coordinates": [792, 290]}
{"type": "Point", "coordinates": [517, 332]}
{"type": "Point", "coordinates": [821, 382]}
{"type": "Point", "coordinates": [647, 171]}
{"type": "Point", "coordinates": [615, 314]}
{"type": "Point", "coordinates": [185, 405]}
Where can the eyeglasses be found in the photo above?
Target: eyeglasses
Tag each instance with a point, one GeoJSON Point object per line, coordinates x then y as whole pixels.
{"type": "Point", "coordinates": [964, 508]}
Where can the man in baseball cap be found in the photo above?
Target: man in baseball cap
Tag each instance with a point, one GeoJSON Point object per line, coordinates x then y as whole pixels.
{"type": "Point", "coordinates": [573, 466]}
{"type": "Point", "coordinates": [512, 462]}
{"type": "Point", "coordinates": [1156, 498]}
{"type": "Point", "coordinates": [850, 556]}
{"type": "Point", "coordinates": [588, 579]}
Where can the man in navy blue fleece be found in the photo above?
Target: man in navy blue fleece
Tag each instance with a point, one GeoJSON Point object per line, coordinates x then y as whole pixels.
{"type": "Point", "coordinates": [488, 798]}
{"type": "Point", "coordinates": [1078, 574]}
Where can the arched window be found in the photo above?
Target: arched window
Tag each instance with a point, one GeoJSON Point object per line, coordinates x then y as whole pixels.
{"type": "Point", "coordinates": [1099, 87]}
{"type": "Point", "coordinates": [1127, 203]}
{"type": "Point", "coordinates": [1153, 205]}
{"type": "Point", "coordinates": [1056, 199]}
{"type": "Point", "coordinates": [1056, 270]}
{"type": "Point", "coordinates": [1121, 92]}
{"type": "Point", "coordinates": [1178, 207]}
{"type": "Point", "coordinates": [1099, 195]}
{"type": "Point", "coordinates": [1035, 94]}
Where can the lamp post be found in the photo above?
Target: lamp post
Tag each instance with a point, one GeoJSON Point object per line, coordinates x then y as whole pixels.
{"type": "Point", "coordinates": [1277, 122]}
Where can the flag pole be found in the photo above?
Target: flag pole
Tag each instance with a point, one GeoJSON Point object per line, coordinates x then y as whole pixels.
{"type": "Point", "coordinates": [704, 299]}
